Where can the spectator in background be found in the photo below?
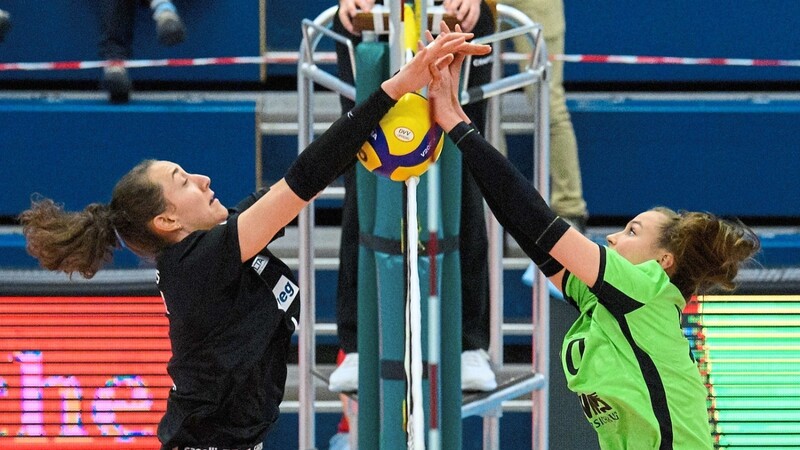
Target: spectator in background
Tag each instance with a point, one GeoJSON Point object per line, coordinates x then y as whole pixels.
{"type": "Point", "coordinates": [5, 24]}
{"type": "Point", "coordinates": [116, 39]}
{"type": "Point", "coordinates": [566, 189]}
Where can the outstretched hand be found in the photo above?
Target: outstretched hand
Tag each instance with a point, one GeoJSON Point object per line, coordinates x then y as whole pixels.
{"type": "Point", "coordinates": [416, 74]}
{"type": "Point", "coordinates": [443, 92]}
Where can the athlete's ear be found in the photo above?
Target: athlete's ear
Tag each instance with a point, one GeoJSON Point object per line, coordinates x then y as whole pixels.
{"type": "Point", "coordinates": [667, 262]}
{"type": "Point", "coordinates": [165, 223]}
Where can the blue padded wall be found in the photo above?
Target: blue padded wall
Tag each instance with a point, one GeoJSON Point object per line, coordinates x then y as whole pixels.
{"type": "Point", "coordinates": [74, 150]}
{"type": "Point", "coordinates": [731, 157]}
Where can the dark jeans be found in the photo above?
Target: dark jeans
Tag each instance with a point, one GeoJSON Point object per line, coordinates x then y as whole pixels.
{"type": "Point", "coordinates": [116, 28]}
{"type": "Point", "coordinates": [473, 243]}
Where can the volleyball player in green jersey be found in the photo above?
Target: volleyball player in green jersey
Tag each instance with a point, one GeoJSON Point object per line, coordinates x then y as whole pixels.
{"type": "Point", "coordinates": [626, 355]}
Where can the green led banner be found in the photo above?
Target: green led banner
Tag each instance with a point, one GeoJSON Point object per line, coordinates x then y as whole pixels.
{"type": "Point", "coordinates": [748, 349]}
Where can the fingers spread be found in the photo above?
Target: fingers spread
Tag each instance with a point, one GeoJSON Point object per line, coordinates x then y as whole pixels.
{"type": "Point", "coordinates": [445, 29]}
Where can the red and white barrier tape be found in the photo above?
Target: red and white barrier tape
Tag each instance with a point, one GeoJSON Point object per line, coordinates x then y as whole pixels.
{"type": "Point", "coordinates": [330, 57]}
{"type": "Point", "coordinates": [269, 58]}
{"type": "Point", "coordinates": [627, 59]}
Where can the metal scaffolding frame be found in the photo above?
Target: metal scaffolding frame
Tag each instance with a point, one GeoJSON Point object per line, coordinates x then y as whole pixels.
{"type": "Point", "coordinates": [534, 73]}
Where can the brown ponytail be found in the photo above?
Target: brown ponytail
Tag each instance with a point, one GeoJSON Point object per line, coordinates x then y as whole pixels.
{"type": "Point", "coordinates": [708, 250]}
{"type": "Point", "coordinates": [84, 241]}
{"type": "Point", "coordinates": [69, 241]}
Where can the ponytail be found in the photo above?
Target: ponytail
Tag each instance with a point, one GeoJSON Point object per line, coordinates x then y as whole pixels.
{"type": "Point", "coordinates": [69, 241]}
{"type": "Point", "coordinates": [84, 241]}
{"type": "Point", "coordinates": [708, 250]}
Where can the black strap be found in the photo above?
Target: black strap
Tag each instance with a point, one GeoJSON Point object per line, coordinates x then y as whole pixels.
{"type": "Point", "coordinates": [395, 247]}
{"type": "Point", "coordinates": [396, 370]}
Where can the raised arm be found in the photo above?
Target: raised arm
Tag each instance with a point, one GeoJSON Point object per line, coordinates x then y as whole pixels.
{"type": "Point", "coordinates": [326, 157]}
{"type": "Point", "coordinates": [545, 237]}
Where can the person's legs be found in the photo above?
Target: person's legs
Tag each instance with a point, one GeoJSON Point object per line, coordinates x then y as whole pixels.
{"type": "Point", "coordinates": [473, 243]}
{"type": "Point", "coordinates": [5, 24]}
{"type": "Point", "coordinates": [169, 26]}
{"type": "Point", "coordinates": [345, 377]}
{"type": "Point", "coordinates": [116, 44]}
{"type": "Point", "coordinates": [476, 374]}
{"type": "Point", "coordinates": [473, 247]}
{"type": "Point", "coordinates": [566, 190]}
{"type": "Point", "coordinates": [347, 288]}
{"type": "Point", "coordinates": [116, 29]}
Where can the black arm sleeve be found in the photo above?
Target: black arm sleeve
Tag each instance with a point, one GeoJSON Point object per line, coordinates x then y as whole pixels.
{"type": "Point", "coordinates": [511, 197]}
{"type": "Point", "coordinates": [327, 157]}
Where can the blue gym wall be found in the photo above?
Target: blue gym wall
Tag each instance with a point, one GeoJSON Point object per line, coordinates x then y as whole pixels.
{"type": "Point", "coordinates": [74, 151]}
{"type": "Point", "coordinates": [732, 157]}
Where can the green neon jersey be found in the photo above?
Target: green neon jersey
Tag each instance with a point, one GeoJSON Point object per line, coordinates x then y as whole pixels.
{"type": "Point", "coordinates": [627, 359]}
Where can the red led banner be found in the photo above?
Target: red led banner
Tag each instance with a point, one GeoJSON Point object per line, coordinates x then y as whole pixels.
{"type": "Point", "coordinates": [82, 372]}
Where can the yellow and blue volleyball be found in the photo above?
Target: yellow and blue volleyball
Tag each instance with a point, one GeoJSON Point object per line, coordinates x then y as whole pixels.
{"type": "Point", "coordinates": [405, 142]}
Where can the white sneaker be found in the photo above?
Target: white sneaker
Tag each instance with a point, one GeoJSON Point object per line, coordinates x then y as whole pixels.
{"type": "Point", "coordinates": [476, 375]}
{"type": "Point", "coordinates": [345, 377]}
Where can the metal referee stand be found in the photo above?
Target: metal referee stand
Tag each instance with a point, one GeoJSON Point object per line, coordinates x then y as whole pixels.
{"type": "Point", "coordinates": [489, 404]}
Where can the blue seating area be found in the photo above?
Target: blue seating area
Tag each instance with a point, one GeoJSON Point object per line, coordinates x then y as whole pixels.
{"type": "Point", "coordinates": [732, 151]}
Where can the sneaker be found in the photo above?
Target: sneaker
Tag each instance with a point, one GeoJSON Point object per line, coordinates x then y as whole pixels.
{"type": "Point", "coordinates": [5, 24]}
{"type": "Point", "coordinates": [117, 83]}
{"type": "Point", "coordinates": [345, 377]}
{"type": "Point", "coordinates": [169, 27]}
{"type": "Point", "coordinates": [339, 441]}
{"type": "Point", "coordinates": [476, 375]}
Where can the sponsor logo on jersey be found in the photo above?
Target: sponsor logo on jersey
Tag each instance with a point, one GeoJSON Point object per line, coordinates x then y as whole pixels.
{"type": "Point", "coordinates": [574, 355]}
{"type": "Point", "coordinates": [259, 263]}
{"type": "Point", "coordinates": [597, 410]}
{"type": "Point", "coordinates": [285, 292]}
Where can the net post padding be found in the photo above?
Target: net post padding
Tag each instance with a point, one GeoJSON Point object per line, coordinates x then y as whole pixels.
{"type": "Point", "coordinates": [381, 286]}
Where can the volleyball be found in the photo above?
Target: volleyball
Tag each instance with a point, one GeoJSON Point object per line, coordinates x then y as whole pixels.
{"type": "Point", "coordinates": [405, 142]}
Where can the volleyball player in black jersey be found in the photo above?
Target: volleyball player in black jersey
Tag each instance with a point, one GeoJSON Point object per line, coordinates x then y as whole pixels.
{"type": "Point", "coordinates": [232, 305]}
